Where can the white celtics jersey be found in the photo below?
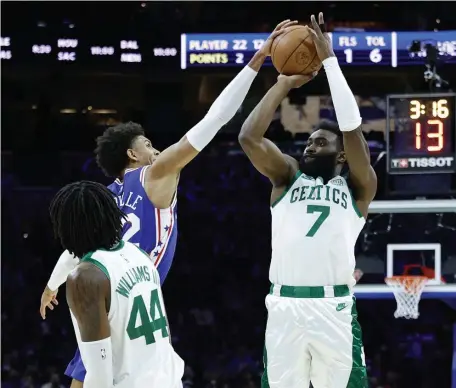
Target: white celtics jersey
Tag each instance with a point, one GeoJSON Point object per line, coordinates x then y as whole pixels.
{"type": "Point", "coordinates": [314, 231]}
{"type": "Point", "coordinates": [142, 353]}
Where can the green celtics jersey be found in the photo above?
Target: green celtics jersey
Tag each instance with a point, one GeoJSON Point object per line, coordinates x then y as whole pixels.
{"type": "Point", "coordinates": [314, 231]}
{"type": "Point", "coordinates": [142, 352]}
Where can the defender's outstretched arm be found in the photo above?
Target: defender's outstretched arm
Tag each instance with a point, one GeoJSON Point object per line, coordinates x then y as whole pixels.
{"type": "Point", "coordinates": [161, 177]}
{"type": "Point", "coordinates": [163, 174]}
{"type": "Point", "coordinates": [174, 158]}
{"type": "Point", "coordinates": [177, 156]}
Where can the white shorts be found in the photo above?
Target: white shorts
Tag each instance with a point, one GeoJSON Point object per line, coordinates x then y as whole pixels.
{"type": "Point", "coordinates": [315, 339]}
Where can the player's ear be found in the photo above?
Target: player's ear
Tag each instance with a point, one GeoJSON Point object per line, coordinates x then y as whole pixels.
{"type": "Point", "coordinates": [132, 155]}
{"type": "Point", "coordinates": [341, 158]}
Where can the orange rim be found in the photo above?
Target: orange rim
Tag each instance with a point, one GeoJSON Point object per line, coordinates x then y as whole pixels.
{"type": "Point", "coordinates": [410, 283]}
{"type": "Point", "coordinates": [405, 277]}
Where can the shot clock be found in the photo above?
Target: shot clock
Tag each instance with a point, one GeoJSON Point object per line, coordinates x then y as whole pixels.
{"type": "Point", "coordinates": [421, 134]}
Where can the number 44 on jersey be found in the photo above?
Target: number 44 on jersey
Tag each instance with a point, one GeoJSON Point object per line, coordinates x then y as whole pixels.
{"type": "Point", "coordinates": [149, 321]}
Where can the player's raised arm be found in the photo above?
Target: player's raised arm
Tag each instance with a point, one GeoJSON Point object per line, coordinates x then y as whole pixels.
{"type": "Point", "coordinates": [173, 159]}
{"type": "Point", "coordinates": [348, 118]}
{"type": "Point", "coordinates": [262, 152]}
{"type": "Point", "coordinates": [88, 296]}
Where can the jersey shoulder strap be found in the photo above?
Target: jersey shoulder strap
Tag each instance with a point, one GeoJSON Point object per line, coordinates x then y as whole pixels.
{"type": "Point", "coordinates": [97, 257]}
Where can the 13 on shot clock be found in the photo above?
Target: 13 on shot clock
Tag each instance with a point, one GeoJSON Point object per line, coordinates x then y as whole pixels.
{"type": "Point", "coordinates": [421, 134]}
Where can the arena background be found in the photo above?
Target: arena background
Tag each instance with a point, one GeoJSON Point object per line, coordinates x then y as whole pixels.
{"type": "Point", "coordinates": [69, 70]}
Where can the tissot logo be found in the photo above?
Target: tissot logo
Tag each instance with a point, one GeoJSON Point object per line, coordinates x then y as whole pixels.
{"type": "Point", "coordinates": [424, 162]}
{"type": "Point", "coordinates": [403, 163]}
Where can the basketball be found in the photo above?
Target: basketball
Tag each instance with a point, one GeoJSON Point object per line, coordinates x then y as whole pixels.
{"type": "Point", "coordinates": [293, 52]}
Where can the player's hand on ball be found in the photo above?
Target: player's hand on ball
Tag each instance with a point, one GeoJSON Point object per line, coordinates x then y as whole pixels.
{"type": "Point", "coordinates": [279, 30]}
{"type": "Point", "coordinates": [295, 81]}
{"type": "Point", "coordinates": [48, 299]}
{"type": "Point", "coordinates": [321, 38]}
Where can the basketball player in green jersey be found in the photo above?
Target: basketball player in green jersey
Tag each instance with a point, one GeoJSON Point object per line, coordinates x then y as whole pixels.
{"type": "Point", "coordinates": [114, 295]}
{"type": "Point", "coordinates": [312, 332]}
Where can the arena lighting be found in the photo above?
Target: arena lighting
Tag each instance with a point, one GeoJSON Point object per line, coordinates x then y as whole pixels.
{"type": "Point", "coordinates": [103, 111]}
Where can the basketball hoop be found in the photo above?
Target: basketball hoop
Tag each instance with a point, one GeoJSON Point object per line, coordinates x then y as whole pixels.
{"type": "Point", "coordinates": [407, 291]}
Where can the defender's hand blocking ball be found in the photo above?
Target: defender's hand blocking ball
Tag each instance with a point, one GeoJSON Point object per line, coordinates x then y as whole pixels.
{"type": "Point", "coordinates": [280, 29]}
{"type": "Point", "coordinates": [294, 52]}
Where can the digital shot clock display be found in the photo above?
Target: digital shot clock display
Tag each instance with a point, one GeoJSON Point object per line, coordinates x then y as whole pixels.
{"type": "Point", "coordinates": [421, 133]}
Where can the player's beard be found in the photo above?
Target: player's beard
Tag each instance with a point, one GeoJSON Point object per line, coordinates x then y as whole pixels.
{"type": "Point", "coordinates": [323, 166]}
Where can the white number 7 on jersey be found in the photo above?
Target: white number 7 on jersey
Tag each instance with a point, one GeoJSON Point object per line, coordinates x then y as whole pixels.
{"type": "Point", "coordinates": [324, 213]}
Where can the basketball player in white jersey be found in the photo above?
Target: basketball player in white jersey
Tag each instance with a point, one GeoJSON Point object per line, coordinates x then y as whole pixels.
{"type": "Point", "coordinates": [312, 332]}
{"type": "Point", "coordinates": [114, 295]}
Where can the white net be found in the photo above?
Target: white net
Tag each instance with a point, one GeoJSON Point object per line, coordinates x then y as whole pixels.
{"type": "Point", "coordinates": [407, 291]}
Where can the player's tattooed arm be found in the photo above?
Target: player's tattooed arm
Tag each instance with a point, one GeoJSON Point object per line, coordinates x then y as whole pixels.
{"type": "Point", "coordinates": [263, 153]}
{"type": "Point", "coordinates": [88, 296]}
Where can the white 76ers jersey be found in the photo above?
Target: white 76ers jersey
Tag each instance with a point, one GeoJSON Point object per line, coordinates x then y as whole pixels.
{"type": "Point", "coordinates": [142, 353]}
{"type": "Point", "coordinates": [314, 231]}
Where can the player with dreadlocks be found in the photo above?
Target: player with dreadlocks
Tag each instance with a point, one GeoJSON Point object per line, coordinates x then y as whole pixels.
{"type": "Point", "coordinates": [146, 181]}
{"type": "Point", "coordinates": [108, 292]}
{"type": "Point", "coordinates": [312, 332]}
{"type": "Point", "coordinates": [84, 219]}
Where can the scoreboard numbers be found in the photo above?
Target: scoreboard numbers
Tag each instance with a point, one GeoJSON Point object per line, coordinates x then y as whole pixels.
{"type": "Point", "coordinates": [352, 49]}
{"type": "Point", "coordinates": [424, 129]}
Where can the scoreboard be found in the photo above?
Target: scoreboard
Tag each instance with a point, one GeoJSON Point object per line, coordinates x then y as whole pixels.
{"type": "Point", "coordinates": [92, 50]}
{"type": "Point", "coordinates": [357, 48]}
{"type": "Point", "coordinates": [421, 133]}
{"type": "Point", "coordinates": [209, 50]}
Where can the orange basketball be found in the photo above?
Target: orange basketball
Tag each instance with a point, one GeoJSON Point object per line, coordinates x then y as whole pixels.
{"type": "Point", "coordinates": [293, 52]}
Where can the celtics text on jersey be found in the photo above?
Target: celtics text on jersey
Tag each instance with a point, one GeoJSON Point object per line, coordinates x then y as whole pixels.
{"type": "Point", "coordinates": [314, 231]}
